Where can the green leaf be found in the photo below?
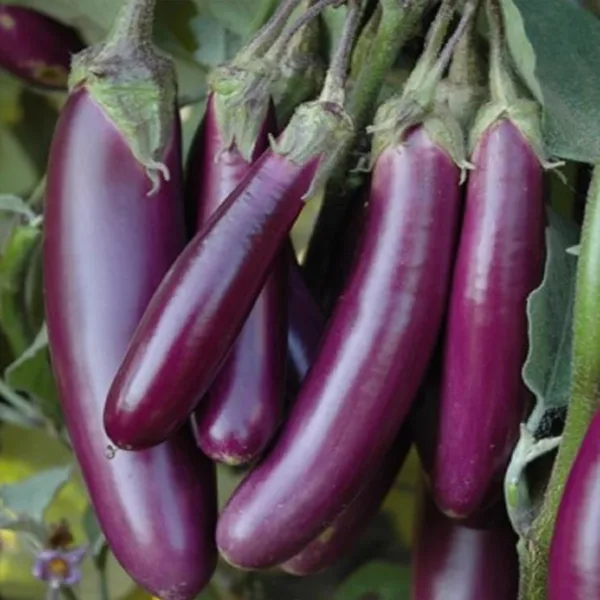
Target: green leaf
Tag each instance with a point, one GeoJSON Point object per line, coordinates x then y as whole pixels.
{"type": "Point", "coordinates": [547, 369]}
{"type": "Point", "coordinates": [16, 205]}
{"type": "Point", "coordinates": [556, 48]}
{"type": "Point", "coordinates": [242, 17]}
{"type": "Point", "coordinates": [216, 44]}
{"type": "Point", "coordinates": [10, 91]}
{"type": "Point", "coordinates": [376, 580]}
{"type": "Point", "coordinates": [18, 172]}
{"type": "Point", "coordinates": [178, 21]}
{"type": "Point", "coordinates": [15, 263]}
{"type": "Point", "coordinates": [31, 497]}
{"type": "Point", "coordinates": [31, 374]}
{"type": "Point", "coordinates": [93, 532]}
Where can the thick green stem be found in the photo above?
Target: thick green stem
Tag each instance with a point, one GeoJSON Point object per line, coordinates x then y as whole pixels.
{"type": "Point", "coordinates": [334, 88]}
{"type": "Point", "coordinates": [502, 86]}
{"type": "Point", "coordinates": [133, 25]}
{"type": "Point", "coordinates": [585, 396]}
{"type": "Point", "coordinates": [398, 21]}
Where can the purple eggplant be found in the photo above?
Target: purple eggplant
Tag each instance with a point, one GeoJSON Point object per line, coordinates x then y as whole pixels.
{"type": "Point", "coordinates": [306, 325]}
{"type": "Point", "coordinates": [370, 364]}
{"type": "Point", "coordinates": [199, 309]}
{"type": "Point", "coordinates": [338, 538]}
{"type": "Point", "coordinates": [35, 47]}
{"type": "Point", "coordinates": [111, 231]}
{"type": "Point", "coordinates": [106, 248]}
{"type": "Point", "coordinates": [500, 261]}
{"type": "Point", "coordinates": [451, 562]}
{"type": "Point", "coordinates": [244, 405]}
{"type": "Point", "coordinates": [574, 572]}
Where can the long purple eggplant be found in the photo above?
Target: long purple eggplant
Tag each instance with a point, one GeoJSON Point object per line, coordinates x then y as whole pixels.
{"type": "Point", "coordinates": [306, 325]}
{"type": "Point", "coordinates": [110, 235]}
{"type": "Point", "coordinates": [574, 572]}
{"type": "Point", "coordinates": [451, 562]}
{"type": "Point", "coordinates": [373, 355]}
{"type": "Point", "coordinates": [35, 47]}
{"type": "Point", "coordinates": [339, 537]}
{"type": "Point", "coordinates": [244, 405]}
{"type": "Point", "coordinates": [201, 305]}
{"type": "Point", "coordinates": [500, 261]}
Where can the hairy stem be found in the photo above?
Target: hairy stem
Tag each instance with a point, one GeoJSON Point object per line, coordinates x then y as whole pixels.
{"type": "Point", "coordinates": [334, 88]}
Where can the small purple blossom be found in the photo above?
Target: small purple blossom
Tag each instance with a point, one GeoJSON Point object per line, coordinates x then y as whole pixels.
{"type": "Point", "coordinates": [59, 567]}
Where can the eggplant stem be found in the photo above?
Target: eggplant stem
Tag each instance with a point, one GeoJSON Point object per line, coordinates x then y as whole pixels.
{"type": "Point", "coordinates": [279, 47]}
{"type": "Point", "coordinates": [464, 69]}
{"type": "Point", "coordinates": [133, 24]}
{"type": "Point", "coordinates": [447, 52]}
{"type": "Point", "coordinates": [502, 85]}
{"type": "Point", "coordinates": [433, 42]}
{"type": "Point", "coordinates": [334, 88]}
{"type": "Point", "coordinates": [268, 33]}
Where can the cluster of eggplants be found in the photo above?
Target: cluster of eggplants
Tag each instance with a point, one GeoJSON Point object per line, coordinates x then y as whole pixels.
{"type": "Point", "coordinates": [147, 332]}
{"type": "Point", "coordinates": [35, 47]}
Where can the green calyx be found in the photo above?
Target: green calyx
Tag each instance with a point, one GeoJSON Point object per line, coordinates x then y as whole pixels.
{"type": "Point", "coordinates": [136, 87]}
{"type": "Point", "coordinates": [525, 114]}
{"type": "Point", "coordinates": [242, 99]}
{"type": "Point", "coordinates": [398, 115]}
{"type": "Point", "coordinates": [318, 130]}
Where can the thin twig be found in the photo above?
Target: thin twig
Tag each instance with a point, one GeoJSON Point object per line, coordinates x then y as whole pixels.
{"type": "Point", "coordinates": [334, 88]}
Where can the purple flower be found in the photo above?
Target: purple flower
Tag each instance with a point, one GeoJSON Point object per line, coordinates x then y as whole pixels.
{"type": "Point", "coordinates": [59, 567]}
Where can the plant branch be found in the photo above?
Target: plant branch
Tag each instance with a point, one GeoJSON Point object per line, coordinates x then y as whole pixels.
{"type": "Point", "coordinates": [584, 402]}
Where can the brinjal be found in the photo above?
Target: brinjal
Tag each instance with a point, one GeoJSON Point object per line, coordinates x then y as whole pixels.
{"type": "Point", "coordinates": [112, 228]}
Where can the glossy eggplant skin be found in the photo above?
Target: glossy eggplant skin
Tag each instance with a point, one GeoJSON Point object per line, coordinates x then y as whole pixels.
{"type": "Point", "coordinates": [575, 546]}
{"type": "Point", "coordinates": [35, 47]}
{"type": "Point", "coordinates": [451, 562]}
{"type": "Point", "coordinates": [500, 261]}
{"type": "Point", "coordinates": [338, 538]}
{"type": "Point", "coordinates": [200, 307]}
{"type": "Point", "coordinates": [244, 406]}
{"type": "Point", "coordinates": [370, 364]}
{"type": "Point", "coordinates": [106, 248]}
{"type": "Point", "coordinates": [306, 325]}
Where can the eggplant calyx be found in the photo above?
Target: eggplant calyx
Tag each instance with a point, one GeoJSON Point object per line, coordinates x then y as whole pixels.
{"type": "Point", "coordinates": [136, 88]}
{"type": "Point", "coordinates": [318, 130]}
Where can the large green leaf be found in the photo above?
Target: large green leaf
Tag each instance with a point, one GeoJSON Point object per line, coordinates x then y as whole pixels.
{"type": "Point", "coordinates": [31, 374]}
{"type": "Point", "coordinates": [556, 47]}
{"type": "Point", "coordinates": [547, 369]}
{"type": "Point", "coordinates": [31, 497]}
